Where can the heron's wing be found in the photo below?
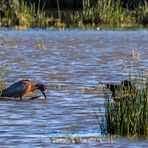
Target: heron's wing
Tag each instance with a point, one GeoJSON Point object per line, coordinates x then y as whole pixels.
{"type": "Point", "coordinates": [15, 90]}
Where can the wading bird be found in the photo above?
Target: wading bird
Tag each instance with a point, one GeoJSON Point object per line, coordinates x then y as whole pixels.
{"type": "Point", "coordinates": [123, 90]}
{"type": "Point", "coordinates": [22, 88]}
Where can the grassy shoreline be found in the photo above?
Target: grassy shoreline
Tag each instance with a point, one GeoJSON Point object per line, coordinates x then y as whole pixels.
{"type": "Point", "coordinates": [106, 14]}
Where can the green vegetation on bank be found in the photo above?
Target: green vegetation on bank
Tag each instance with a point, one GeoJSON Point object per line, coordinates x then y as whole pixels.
{"type": "Point", "coordinates": [22, 16]}
{"type": "Point", "coordinates": [127, 117]}
{"type": "Point", "coordinates": [4, 70]}
{"type": "Point", "coordinates": [109, 13]}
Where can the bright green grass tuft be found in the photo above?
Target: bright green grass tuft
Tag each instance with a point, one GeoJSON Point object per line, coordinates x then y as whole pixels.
{"type": "Point", "coordinates": [128, 117]}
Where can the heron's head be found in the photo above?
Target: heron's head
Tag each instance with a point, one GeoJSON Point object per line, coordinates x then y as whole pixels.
{"type": "Point", "coordinates": [42, 88]}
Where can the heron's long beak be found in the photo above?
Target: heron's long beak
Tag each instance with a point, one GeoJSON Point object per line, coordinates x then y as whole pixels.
{"type": "Point", "coordinates": [44, 94]}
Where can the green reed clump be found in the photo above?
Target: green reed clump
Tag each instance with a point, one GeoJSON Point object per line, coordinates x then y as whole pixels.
{"type": "Point", "coordinates": [39, 18]}
{"type": "Point", "coordinates": [128, 116]}
{"type": "Point", "coordinates": [4, 70]}
{"type": "Point", "coordinates": [108, 13]}
{"type": "Point", "coordinates": [111, 12]}
{"type": "Point", "coordinates": [67, 139]}
{"type": "Point", "coordinates": [142, 14]}
{"type": "Point", "coordinates": [22, 14]}
{"type": "Point", "coordinates": [104, 13]}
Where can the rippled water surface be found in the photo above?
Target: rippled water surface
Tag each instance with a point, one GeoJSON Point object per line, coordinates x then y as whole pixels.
{"type": "Point", "coordinates": [71, 63]}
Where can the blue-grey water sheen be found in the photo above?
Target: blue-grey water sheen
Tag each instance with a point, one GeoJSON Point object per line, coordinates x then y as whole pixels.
{"type": "Point", "coordinates": [72, 64]}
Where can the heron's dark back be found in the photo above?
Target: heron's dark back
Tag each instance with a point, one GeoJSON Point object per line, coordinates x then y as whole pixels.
{"type": "Point", "coordinates": [15, 90]}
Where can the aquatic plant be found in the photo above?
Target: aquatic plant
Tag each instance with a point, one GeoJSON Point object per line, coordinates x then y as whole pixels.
{"type": "Point", "coordinates": [128, 116]}
{"type": "Point", "coordinates": [67, 139]}
{"type": "Point", "coordinates": [4, 70]}
{"type": "Point", "coordinates": [104, 12]}
{"type": "Point", "coordinates": [142, 14]}
{"type": "Point", "coordinates": [22, 15]}
{"type": "Point", "coordinates": [109, 13]}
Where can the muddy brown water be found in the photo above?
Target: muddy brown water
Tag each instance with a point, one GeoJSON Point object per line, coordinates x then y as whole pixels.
{"type": "Point", "coordinates": [71, 63]}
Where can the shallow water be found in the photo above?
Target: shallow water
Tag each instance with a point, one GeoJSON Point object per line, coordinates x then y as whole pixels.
{"type": "Point", "coordinates": [68, 62]}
